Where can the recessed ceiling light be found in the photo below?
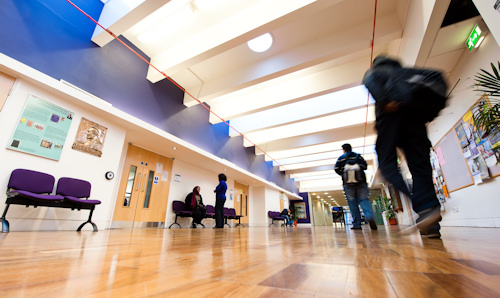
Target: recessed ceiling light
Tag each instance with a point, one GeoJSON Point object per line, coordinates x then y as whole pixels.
{"type": "Point", "coordinates": [261, 43]}
{"type": "Point", "coordinates": [175, 148]}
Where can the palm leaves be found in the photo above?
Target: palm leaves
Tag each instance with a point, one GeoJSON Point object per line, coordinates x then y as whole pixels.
{"type": "Point", "coordinates": [487, 117]}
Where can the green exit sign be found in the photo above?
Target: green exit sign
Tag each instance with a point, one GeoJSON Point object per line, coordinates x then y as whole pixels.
{"type": "Point", "coordinates": [473, 37]}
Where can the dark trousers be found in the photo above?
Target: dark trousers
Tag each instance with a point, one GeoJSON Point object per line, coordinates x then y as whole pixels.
{"type": "Point", "coordinates": [409, 133]}
{"type": "Point", "coordinates": [219, 213]}
{"type": "Point", "coordinates": [199, 214]}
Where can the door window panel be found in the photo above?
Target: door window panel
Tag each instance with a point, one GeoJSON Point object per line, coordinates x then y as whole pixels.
{"type": "Point", "coordinates": [130, 186]}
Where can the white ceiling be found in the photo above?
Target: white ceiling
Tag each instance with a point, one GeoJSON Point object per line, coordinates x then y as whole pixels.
{"type": "Point", "coordinates": [301, 100]}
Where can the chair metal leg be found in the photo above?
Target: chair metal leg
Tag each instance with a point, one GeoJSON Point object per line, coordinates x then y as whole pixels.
{"type": "Point", "coordinates": [225, 222]}
{"type": "Point", "coordinates": [5, 223]}
{"type": "Point", "coordinates": [239, 223]}
{"type": "Point", "coordinates": [94, 227]}
{"type": "Point", "coordinates": [175, 223]}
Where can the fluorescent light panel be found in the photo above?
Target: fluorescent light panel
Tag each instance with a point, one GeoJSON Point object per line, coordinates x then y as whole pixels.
{"type": "Point", "coordinates": [311, 174]}
{"type": "Point", "coordinates": [320, 156]}
{"type": "Point", "coordinates": [330, 122]}
{"type": "Point", "coordinates": [305, 109]}
{"type": "Point", "coordinates": [318, 177]}
{"type": "Point", "coordinates": [327, 147]}
{"type": "Point", "coordinates": [319, 163]}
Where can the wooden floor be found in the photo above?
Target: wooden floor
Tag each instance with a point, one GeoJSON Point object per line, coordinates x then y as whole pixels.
{"type": "Point", "coordinates": [250, 262]}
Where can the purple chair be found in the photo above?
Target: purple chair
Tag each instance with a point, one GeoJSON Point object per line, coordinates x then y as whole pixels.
{"type": "Point", "coordinates": [210, 211]}
{"type": "Point", "coordinates": [232, 215]}
{"type": "Point", "coordinates": [226, 216]}
{"type": "Point", "coordinates": [275, 215]}
{"type": "Point", "coordinates": [180, 211]}
{"type": "Point", "coordinates": [76, 193]}
{"type": "Point", "coordinates": [29, 188]}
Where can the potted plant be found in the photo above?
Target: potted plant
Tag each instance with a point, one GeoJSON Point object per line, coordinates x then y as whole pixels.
{"type": "Point", "coordinates": [386, 206]}
{"type": "Point", "coordinates": [486, 117]}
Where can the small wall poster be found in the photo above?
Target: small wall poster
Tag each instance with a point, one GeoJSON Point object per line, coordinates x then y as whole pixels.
{"type": "Point", "coordinates": [90, 137]}
{"type": "Point", "coordinates": [42, 129]}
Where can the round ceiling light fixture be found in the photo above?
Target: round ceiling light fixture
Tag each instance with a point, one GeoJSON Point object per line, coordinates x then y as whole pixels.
{"type": "Point", "coordinates": [261, 43]}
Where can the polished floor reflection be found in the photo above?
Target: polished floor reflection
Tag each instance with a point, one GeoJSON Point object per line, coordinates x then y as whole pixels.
{"type": "Point", "coordinates": [250, 262]}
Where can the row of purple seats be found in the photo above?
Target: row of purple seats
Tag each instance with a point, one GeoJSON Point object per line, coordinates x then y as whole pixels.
{"type": "Point", "coordinates": [275, 215]}
{"type": "Point", "coordinates": [230, 213]}
{"type": "Point", "coordinates": [32, 188]}
{"type": "Point", "coordinates": [180, 210]}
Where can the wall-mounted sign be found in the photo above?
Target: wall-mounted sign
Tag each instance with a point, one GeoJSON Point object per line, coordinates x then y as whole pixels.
{"type": "Point", "coordinates": [42, 129]}
{"type": "Point", "coordinates": [90, 137]}
{"type": "Point", "coordinates": [473, 38]}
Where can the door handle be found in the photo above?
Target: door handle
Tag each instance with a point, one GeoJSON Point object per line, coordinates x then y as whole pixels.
{"type": "Point", "coordinates": [144, 183]}
{"type": "Point", "coordinates": [139, 183]}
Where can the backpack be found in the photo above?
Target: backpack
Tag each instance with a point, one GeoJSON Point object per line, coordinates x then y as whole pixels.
{"type": "Point", "coordinates": [352, 174]}
{"type": "Point", "coordinates": [422, 91]}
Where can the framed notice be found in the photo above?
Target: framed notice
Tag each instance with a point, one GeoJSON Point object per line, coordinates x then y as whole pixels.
{"type": "Point", "coordinates": [42, 129]}
{"type": "Point", "coordinates": [300, 209]}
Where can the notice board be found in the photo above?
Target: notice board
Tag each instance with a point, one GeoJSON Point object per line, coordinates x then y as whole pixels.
{"type": "Point", "coordinates": [455, 170]}
{"type": "Point", "coordinates": [41, 129]}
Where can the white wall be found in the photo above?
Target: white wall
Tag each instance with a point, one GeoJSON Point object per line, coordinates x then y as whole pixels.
{"type": "Point", "coordinates": [192, 176]}
{"type": "Point", "coordinates": [72, 163]}
{"type": "Point", "coordinates": [478, 205]}
{"type": "Point", "coordinates": [257, 207]}
{"type": "Point", "coordinates": [490, 16]}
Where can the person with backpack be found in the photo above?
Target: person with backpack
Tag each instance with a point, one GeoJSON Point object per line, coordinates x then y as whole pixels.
{"type": "Point", "coordinates": [403, 106]}
{"type": "Point", "coordinates": [350, 166]}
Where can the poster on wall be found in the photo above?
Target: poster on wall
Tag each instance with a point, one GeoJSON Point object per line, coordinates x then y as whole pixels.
{"type": "Point", "coordinates": [300, 209]}
{"type": "Point", "coordinates": [438, 179]}
{"type": "Point", "coordinates": [90, 137]}
{"type": "Point", "coordinates": [477, 145]}
{"type": "Point", "coordinates": [42, 129]}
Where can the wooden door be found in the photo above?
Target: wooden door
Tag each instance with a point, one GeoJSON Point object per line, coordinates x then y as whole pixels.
{"type": "Point", "coordinates": [282, 201]}
{"type": "Point", "coordinates": [241, 202]}
{"type": "Point", "coordinates": [153, 201]}
{"type": "Point", "coordinates": [129, 191]}
{"type": "Point", "coordinates": [144, 187]}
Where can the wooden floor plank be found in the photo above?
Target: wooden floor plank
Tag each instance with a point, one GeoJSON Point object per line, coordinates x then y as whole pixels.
{"type": "Point", "coordinates": [250, 262]}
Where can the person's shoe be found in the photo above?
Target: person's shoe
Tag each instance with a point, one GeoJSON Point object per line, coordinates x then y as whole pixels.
{"type": "Point", "coordinates": [428, 217]}
{"type": "Point", "coordinates": [356, 228]}
{"type": "Point", "coordinates": [373, 224]}
{"type": "Point", "coordinates": [425, 221]}
{"type": "Point", "coordinates": [193, 225]}
{"type": "Point", "coordinates": [431, 233]}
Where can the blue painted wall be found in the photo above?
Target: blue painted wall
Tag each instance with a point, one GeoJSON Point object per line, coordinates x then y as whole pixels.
{"type": "Point", "coordinates": [54, 38]}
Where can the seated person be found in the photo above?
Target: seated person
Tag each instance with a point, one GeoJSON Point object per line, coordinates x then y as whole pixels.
{"type": "Point", "coordinates": [286, 214]}
{"type": "Point", "coordinates": [194, 202]}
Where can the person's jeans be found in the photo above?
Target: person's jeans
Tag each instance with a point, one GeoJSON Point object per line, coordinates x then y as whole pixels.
{"type": "Point", "coordinates": [219, 213]}
{"type": "Point", "coordinates": [288, 221]}
{"type": "Point", "coordinates": [358, 195]}
{"type": "Point", "coordinates": [404, 131]}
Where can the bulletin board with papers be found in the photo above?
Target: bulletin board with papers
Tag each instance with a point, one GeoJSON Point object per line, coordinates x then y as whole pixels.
{"type": "Point", "coordinates": [466, 152]}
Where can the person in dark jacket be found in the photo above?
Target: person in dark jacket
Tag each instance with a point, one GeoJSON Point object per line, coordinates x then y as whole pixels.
{"type": "Point", "coordinates": [286, 215]}
{"type": "Point", "coordinates": [220, 200]}
{"type": "Point", "coordinates": [194, 202]}
{"type": "Point", "coordinates": [397, 127]}
{"type": "Point", "coordinates": [355, 188]}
